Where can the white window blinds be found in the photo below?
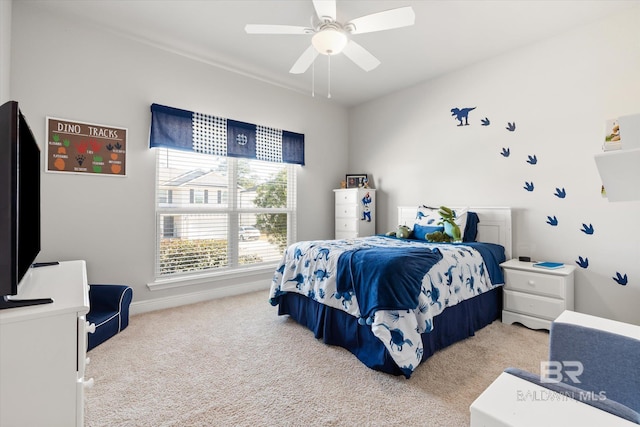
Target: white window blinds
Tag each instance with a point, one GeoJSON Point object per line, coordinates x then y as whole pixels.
{"type": "Point", "coordinates": [216, 213]}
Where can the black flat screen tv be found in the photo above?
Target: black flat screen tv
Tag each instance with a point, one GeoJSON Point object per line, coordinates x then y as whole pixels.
{"type": "Point", "coordinates": [19, 204]}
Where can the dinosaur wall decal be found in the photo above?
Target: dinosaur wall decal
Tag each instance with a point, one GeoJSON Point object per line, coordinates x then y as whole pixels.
{"type": "Point", "coordinates": [462, 114]}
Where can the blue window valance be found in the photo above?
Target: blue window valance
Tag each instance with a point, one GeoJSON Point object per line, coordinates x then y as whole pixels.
{"type": "Point", "coordinates": [203, 133]}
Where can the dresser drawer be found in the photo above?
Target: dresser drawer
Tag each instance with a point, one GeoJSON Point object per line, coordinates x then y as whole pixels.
{"type": "Point", "coordinates": [535, 283]}
{"type": "Point", "coordinates": [346, 197]}
{"type": "Point", "coordinates": [346, 211]}
{"type": "Point", "coordinates": [535, 305]}
{"type": "Point", "coordinates": [346, 225]}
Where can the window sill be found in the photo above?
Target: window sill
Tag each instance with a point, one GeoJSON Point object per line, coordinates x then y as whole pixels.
{"type": "Point", "coordinates": [211, 278]}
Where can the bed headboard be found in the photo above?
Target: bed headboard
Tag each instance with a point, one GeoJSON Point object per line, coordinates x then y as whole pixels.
{"type": "Point", "coordinates": [494, 226]}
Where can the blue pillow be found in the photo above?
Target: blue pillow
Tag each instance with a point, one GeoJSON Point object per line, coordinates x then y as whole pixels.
{"type": "Point", "coordinates": [420, 231]}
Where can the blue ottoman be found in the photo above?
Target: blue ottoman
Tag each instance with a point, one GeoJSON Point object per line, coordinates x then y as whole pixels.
{"type": "Point", "coordinates": [109, 311]}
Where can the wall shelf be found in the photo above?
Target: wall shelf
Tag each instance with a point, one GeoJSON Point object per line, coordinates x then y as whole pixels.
{"type": "Point", "coordinates": [619, 169]}
{"type": "Point", "coordinates": [620, 174]}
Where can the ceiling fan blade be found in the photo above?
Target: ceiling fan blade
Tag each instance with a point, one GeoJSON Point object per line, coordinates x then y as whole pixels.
{"type": "Point", "coordinates": [361, 56]}
{"type": "Point", "coordinates": [325, 8]}
{"type": "Point", "coordinates": [387, 20]}
{"type": "Point", "coordinates": [276, 29]}
{"type": "Point", "coordinates": [305, 61]}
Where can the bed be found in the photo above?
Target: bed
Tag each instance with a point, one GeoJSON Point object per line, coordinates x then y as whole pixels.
{"type": "Point", "coordinates": [394, 302]}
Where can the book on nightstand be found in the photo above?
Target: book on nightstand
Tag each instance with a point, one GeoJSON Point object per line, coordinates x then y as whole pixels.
{"type": "Point", "coordinates": [550, 265]}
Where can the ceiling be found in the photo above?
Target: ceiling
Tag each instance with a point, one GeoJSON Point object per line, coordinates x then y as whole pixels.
{"type": "Point", "coordinates": [447, 35]}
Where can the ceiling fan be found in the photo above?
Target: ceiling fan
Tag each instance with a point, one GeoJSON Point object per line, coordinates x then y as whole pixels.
{"type": "Point", "coordinates": [331, 37]}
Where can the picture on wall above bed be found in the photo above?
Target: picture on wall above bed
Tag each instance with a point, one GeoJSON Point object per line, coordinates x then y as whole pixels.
{"type": "Point", "coordinates": [393, 302]}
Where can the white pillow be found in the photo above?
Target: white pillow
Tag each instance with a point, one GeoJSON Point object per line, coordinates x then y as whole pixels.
{"type": "Point", "coordinates": [428, 216]}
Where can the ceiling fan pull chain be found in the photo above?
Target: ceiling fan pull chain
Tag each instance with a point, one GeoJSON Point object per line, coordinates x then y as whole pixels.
{"type": "Point", "coordinates": [329, 76]}
{"type": "Point", "coordinates": [313, 79]}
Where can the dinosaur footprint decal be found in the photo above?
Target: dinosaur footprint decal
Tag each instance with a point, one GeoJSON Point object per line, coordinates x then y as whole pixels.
{"type": "Point", "coordinates": [528, 186]}
{"type": "Point", "coordinates": [485, 121]}
{"type": "Point", "coordinates": [583, 262]}
{"type": "Point", "coordinates": [532, 160]}
{"type": "Point", "coordinates": [552, 221]}
{"type": "Point", "coordinates": [560, 193]}
{"type": "Point", "coordinates": [511, 126]}
{"type": "Point", "coordinates": [587, 229]}
{"type": "Point", "coordinates": [505, 152]}
{"type": "Point", "coordinates": [620, 279]}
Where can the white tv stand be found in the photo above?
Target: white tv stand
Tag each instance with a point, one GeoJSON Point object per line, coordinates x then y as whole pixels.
{"type": "Point", "coordinates": [43, 349]}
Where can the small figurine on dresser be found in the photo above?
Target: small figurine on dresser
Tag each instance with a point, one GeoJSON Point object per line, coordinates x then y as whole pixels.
{"type": "Point", "coordinates": [366, 211]}
{"type": "Point", "coordinates": [365, 182]}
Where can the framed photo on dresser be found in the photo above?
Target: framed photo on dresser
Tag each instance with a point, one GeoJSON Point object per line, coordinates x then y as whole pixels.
{"type": "Point", "coordinates": [355, 181]}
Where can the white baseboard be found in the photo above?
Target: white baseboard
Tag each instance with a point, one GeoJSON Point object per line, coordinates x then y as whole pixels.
{"type": "Point", "coordinates": [138, 307]}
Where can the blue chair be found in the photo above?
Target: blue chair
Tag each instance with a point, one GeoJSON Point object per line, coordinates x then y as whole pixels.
{"type": "Point", "coordinates": [109, 311]}
{"type": "Point", "coordinates": [595, 362]}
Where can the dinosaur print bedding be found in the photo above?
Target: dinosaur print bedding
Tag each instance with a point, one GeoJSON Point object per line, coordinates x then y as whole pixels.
{"type": "Point", "coordinates": [393, 286]}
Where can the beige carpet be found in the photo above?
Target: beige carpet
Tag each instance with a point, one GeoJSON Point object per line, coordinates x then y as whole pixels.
{"type": "Point", "coordinates": [234, 362]}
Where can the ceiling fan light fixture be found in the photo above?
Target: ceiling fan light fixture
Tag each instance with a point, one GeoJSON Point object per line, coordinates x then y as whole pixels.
{"type": "Point", "coordinates": [329, 41]}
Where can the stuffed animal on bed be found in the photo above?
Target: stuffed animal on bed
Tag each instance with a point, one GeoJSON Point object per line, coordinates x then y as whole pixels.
{"type": "Point", "coordinates": [403, 232]}
{"type": "Point", "coordinates": [448, 218]}
{"type": "Point", "coordinates": [438, 237]}
{"type": "Point", "coordinates": [451, 232]}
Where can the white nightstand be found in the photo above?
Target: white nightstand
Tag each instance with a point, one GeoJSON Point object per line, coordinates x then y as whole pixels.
{"type": "Point", "coordinates": [535, 296]}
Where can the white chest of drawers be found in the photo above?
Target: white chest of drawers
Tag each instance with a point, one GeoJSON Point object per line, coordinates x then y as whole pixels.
{"type": "Point", "coordinates": [355, 212]}
{"type": "Point", "coordinates": [536, 296]}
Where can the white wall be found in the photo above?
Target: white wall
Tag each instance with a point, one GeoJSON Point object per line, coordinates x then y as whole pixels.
{"type": "Point", "coordinates": [5, 49]}
{"type": "Point", "coordinates": [559, 94]}
{"type": "Point", "coordinates": [64, 69]}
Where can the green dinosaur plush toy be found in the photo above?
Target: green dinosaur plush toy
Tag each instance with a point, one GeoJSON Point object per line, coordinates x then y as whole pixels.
{"type": "Point", "coordinates": [403, 232]}
{"type": "Point", "coordinates": [438, 237]}
{"type": "Point", "coordinates": [448, 217]}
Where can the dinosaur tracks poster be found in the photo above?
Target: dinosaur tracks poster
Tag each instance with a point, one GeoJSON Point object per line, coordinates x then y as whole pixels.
{"type": "Point", "coordinates": [85, 148]}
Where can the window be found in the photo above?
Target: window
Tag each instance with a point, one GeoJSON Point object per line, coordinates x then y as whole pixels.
{"type": "Point", "coordinates": [217, 214]}
{"type": "Point", "coordinates": [168, 228]}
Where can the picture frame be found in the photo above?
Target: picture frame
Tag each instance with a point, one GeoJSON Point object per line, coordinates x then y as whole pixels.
{"type": "Point", "coordinates": [356, 180]}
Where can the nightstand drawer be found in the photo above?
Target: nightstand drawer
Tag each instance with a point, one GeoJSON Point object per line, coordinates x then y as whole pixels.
{"type": "Point", "coordinates": [535, 283]}
{"type": "Point", "coordinates": [346, 225]}
{"type": "Point", "coordinates": [346, 197]}
{"type": "Point", "coordinates": [538, 306]}
{"type": "Point", "coordinates": [346, 211]}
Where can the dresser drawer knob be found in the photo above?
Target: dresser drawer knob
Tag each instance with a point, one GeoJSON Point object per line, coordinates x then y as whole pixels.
{"type": "Point", "coordinates": [531, 282]}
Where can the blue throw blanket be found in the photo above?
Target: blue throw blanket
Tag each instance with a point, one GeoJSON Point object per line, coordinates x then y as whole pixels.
{"type": "Point", "coordinates": [385, 278]}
